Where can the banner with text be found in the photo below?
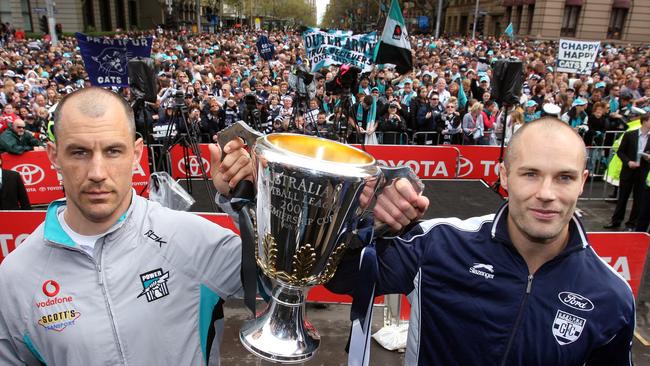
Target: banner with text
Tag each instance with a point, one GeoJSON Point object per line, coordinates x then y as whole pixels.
{"type": "Point", "coordinates": [42, 181]}
{"type": "Point", "coordinates": [106, 59]}
{"type": "Point", "coordinates": [336, 47]}
{"type": "Point", "coordinates": [577, 56]}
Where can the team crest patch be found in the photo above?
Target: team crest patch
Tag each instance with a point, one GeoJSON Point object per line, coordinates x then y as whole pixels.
{"type": "Point", "coordinates": [154, 284]}
{"type": "Point", "coordinates": [567, 328]}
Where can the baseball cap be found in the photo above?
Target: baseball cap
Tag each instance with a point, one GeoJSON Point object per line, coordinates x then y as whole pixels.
{"type": "Point", "coordinates": [531, 103]}
{"type": "Point", "coordinates": [579, 101]}
{"type": "Point", "coordinates": [600, 84]}
{"type": "Point", "coordinates": [485, 78]}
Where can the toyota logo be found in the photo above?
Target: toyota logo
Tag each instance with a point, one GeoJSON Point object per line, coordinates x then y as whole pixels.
{"type": "Point", "coordinates": [193, 165]}
{"type": "Point", "coordinates": [465, 167]}
{"type": "Point", "coordinates": [31, 174]}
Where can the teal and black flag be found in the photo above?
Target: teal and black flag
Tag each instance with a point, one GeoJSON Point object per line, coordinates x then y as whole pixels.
{"type": "Point", "coordinates": [394, 46]}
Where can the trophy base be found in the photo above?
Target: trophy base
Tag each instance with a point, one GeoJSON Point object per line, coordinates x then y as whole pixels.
{"type": "Point", "coordinates": [280, 333]}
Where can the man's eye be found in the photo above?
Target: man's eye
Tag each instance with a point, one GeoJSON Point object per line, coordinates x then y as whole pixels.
{"type": "Point", "coordinates": [79, 153]}
{"type": "Point", "coordinates": [566, 178]}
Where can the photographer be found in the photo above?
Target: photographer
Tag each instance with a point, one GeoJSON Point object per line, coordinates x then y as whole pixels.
{"type": "Point", "coordinates": [392, 122]}
{"type": "Point", "coordinates": [210, 119]}
{"type": "Point", "coordinates": [229, 114]}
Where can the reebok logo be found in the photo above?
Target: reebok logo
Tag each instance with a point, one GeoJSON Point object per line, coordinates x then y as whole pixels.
{"type": "Point", "coordinates": [151, 235]}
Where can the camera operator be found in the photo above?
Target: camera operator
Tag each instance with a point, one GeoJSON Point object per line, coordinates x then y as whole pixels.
{"type": "Point", "coordinates": [210, 118]}
{"type": "Point", "coordinates": [254, 113]}
{"type": "Point", "coordinates": [229, 113]}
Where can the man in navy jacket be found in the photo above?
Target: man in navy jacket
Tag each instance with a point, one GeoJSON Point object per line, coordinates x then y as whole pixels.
{"type": "Point", "coordinates": [521, 287]}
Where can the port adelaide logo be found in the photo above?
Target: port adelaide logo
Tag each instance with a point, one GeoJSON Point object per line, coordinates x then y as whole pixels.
{"type": "Point", "coordinates": [154, 284]}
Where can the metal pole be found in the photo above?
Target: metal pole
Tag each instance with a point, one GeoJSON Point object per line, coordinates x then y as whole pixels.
{"type": "Point", "coordinates": [438, 18]}
{"type": "Point", "coordinates": [475, 19]}
{"type": "Point", "coordinates": [198, 16]}
{"type": "Point", "coordinates": [51, 22]}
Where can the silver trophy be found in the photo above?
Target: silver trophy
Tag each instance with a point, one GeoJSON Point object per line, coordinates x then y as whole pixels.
{"type": "Point", "coordinates": [307, 210]}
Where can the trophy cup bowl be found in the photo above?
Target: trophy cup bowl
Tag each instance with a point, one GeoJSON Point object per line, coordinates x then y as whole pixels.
{"type": "Point", "coordinates": [307, 209]}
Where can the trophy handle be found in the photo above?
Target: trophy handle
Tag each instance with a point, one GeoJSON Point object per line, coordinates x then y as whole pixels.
{"type": "Point", "coordinates": [388, 176]}
{"type": "Point", "coordinates": [242, 197]}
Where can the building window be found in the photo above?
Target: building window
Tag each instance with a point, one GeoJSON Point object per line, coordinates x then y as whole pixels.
{"type": "Point", "coordinates": [89, 15]}
{"type": "Point", "coordinates": [616, 23]}
{"type": "Point", "coordinates": [120, 14]}
{"type": "Point", "coordinates": [531, 13]}
{"type": "Point", "coordinates": [509, 14]}
{"type": "Point", "coordinates": [570, 20]}
{"type": "Point", "coordinates": [520, 10]}
{"type": "Point", "coordinates": [133, 13]}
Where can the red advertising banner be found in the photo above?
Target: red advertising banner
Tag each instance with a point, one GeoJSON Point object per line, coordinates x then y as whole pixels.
{"type": "Point", "coordinates": [479, 162]}
{"type": "Point", "coordinates": [42, 181]}
{"type": "Point", "coordinates": [428, 162]}
{"type": "Point", "coordinates": [181, 166]}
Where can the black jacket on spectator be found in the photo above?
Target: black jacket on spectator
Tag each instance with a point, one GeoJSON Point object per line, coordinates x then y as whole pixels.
{"type": "Point", "coordinates": [393, 123]}
{"type": "Point", "coordinates": [13, 195]}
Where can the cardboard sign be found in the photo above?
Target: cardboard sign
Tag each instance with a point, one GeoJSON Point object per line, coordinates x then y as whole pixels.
{"type": "Point", "coordinates": [576, 56]}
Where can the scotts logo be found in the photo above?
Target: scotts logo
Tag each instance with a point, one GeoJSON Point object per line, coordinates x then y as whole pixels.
{"type": "Point", "coordinates": [59, 321]}
{"type": "Point", "coordinates": [575, 301]}
{"type": "Point", "coordinates": [192, 166]}
{"type": "Point", "coordinates": [31, 174]}
{"type": "Point", "coordinates": [51, 288]}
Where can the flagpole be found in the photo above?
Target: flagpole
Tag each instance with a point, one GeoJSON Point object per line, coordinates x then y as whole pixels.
{"type": "Point", "coordinates": [438, 18]}
{"type": "Point", "coordinates": [475, 19]}
{"type": "Point", "coordinates": [51, 22]}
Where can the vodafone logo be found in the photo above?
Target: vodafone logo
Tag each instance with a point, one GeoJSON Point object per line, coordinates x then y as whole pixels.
{"type": "Point", "coordinates": [192, 167]}
{"type": "Point", "coordinates": [465, 167]}
{"type": "Point", "coordinates": [31, 174]}
{"type": "Point", "coordinates": [51, 288]}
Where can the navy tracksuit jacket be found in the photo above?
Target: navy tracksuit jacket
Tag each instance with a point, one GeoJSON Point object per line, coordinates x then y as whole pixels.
{"type": "Point", "coordinates": [474, 302]}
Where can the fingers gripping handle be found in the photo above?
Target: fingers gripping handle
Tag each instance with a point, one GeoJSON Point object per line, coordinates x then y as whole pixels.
{"type": "Point", "coordinates": [244, 189]}
{"type": "Point", "coordinates": [389, 176]}
{"type": "Point", "coordinates": [239, 129]}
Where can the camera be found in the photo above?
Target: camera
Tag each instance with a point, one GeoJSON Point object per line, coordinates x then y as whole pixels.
{"type": "Point", "coordinates": [179, 98]}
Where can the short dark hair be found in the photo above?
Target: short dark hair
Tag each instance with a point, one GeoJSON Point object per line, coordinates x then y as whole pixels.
{"type": "Point", "coordinates": [93, 107]}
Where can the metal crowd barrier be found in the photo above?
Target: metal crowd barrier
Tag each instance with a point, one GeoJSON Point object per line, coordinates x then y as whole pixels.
{"type": "Point", "coordinates": [598, 158]}
{"type": "Point", "coordinates": [393, 138]}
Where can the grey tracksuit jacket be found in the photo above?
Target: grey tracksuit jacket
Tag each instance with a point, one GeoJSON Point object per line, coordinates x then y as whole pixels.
{"type": "Point", "coordinates": [147, 296]}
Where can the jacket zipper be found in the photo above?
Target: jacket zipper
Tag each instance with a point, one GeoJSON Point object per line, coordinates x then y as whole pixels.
{"type": "Point", "coordinates": [529, 286]}
{"type": "Point", "coordinates": [100, 275]}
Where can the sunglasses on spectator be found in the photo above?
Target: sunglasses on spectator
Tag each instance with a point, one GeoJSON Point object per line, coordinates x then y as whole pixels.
{"type": "Point", "coordinates": [20, 127]}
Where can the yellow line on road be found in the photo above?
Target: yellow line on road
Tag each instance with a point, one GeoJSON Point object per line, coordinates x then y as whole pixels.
{"type": "Point", "coordinates": [641, 339]}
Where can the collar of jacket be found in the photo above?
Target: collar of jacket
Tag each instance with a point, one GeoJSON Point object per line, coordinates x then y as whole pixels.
{"type": "Point", "coordinates": [54, 233]}
{"type": "Point", "coordinates": [577, 233]}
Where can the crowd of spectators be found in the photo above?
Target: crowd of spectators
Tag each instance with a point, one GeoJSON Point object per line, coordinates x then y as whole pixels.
{"type": "Point", "coordinates": [445, 99]}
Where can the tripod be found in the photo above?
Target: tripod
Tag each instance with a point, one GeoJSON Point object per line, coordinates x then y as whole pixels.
{"type": "Point", "coordinates": [187, 137]}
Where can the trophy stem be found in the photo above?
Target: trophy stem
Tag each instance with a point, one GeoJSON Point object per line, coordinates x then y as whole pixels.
{"type": "Point", "coordinates": [280, 333]}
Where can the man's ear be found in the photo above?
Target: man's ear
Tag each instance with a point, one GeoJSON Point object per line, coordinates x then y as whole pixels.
{"type": "Point", "coordinates": [53, 154]}
{"type": "Point", "coordinates": [138, 148]}
{"type": "Point", "coordinates": [503, 176]}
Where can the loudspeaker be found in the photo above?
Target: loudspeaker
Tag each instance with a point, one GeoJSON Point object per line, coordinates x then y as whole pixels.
{"type": "Point", "coordinates": [506, 82]}
{"type": "Point", "coordinates": [142, 79]}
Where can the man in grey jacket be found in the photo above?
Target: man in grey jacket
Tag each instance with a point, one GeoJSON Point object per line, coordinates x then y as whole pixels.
{"type": "Point", "coordinates": [111, 278]}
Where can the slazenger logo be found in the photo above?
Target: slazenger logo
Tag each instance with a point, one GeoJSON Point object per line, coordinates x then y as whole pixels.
{"type": "Point", "coordinates": [193, 165]}
{"type": "Point", "coordinates": [575, 301]}
{"type": "Point", "coordinates": [31, 174]}
{"type": "Point", "coordinates": [481, 269]}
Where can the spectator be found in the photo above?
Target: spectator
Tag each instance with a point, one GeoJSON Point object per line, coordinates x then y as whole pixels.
{"type": "Point", "coordinates": [393, 127]}
{"type": "Point", "coordinates": [531, 113]}
{"type": "Point", "coordinates": [473, 125]}
{"type": "Point", "coordinates": [13, 195]}
{"type": "Point", "coordinates": [15, 140]}
{"type": "Point", "coordinates": [452, 131]}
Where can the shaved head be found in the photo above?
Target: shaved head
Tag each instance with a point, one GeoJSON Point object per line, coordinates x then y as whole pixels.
{"type": "Point", "coordinates": [92, 102]}
{"type": "Point", "coordinates": [550, 127]}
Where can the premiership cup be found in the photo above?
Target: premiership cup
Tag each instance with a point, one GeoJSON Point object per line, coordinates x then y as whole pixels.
{"type": "Point", "coordinates": [307, 210]}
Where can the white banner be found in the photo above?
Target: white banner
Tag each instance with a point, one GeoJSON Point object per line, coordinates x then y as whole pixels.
{"type": "Point", "coordinates": [577, 56]}
{"type": "Point", "coordinates": [339, 47]}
